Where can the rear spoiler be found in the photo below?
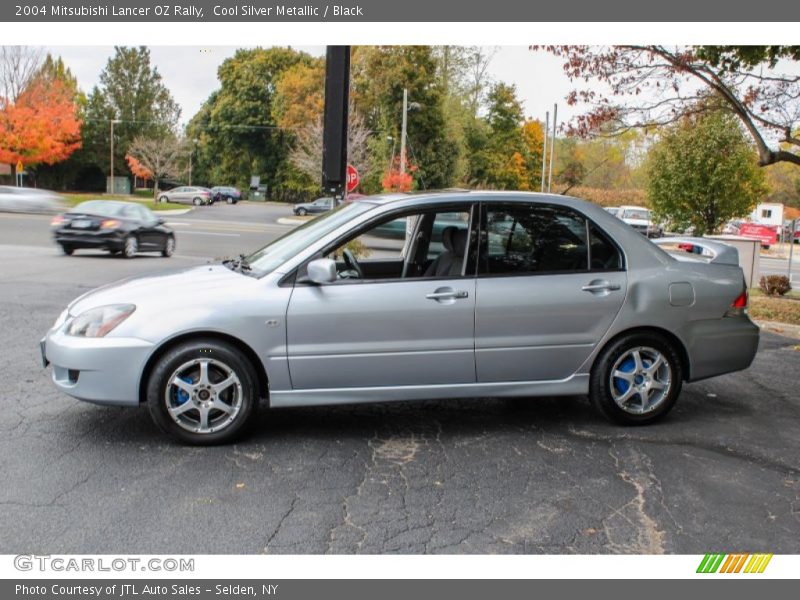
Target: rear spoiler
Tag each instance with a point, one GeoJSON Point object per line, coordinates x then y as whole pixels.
{"type": "Point", "coordinates": [703, 249]}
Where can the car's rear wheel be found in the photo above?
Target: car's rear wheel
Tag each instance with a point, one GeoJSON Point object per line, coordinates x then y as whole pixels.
{"type": "Point", "coordinates": [67, 249]}
{"type": "Point", "coordinates": [130, 247]}
{"type": "Point", "coordinates": [197, 201]}
{"type": "Point", "coordinates": [636, 379]}
{"type": "Point", "coordinates": [203, 392]}
{"type": "Point", "coordinates": [169, 247]}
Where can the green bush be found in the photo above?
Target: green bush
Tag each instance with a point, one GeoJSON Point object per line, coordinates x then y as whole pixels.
{"type": "Point", "coordinates": [774, 285]}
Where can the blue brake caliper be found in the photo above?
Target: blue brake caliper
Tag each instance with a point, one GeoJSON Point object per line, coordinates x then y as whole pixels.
{"type": "Point", "coordinates": [182, 395]}
{"type": "Point", "coordinates": [628, 366]}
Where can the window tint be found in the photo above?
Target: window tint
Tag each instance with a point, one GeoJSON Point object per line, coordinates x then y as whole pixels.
{"type": "Point", "coordinates": [534, 239]}
{"type": "Point", "coordinates": [441, 236]}
{"type": "Point", "coordinates": [603, 253]}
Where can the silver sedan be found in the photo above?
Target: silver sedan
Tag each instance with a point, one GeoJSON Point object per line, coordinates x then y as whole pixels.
{"type": "Point", "coordinates": [23, 199]}
{"type": "Point", "coordinates": [488, 294]}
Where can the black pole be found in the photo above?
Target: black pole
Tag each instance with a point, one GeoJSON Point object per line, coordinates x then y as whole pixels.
{"type": "Point", "coordinates": [334, 135]}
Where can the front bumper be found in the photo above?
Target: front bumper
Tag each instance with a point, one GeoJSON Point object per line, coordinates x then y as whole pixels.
{"type": "Point", "coordinates": [99, 370]}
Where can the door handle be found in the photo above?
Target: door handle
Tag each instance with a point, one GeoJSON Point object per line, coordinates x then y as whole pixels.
{"type": "Point", "coordinates": [601, 287]}
{"type": "Point", "coordinates": [447, 294]}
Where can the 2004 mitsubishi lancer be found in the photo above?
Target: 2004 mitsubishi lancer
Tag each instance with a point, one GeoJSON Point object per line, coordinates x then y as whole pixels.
{"type": "Point", "coordinates": [488, 294]}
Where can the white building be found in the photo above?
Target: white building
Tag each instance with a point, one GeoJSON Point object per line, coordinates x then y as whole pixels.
{"type": "Point", "coordinates": [768, 213]}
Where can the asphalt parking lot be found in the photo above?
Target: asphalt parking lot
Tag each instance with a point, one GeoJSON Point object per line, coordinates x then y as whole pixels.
{"type": "Point", "coordinates": [722, 473]}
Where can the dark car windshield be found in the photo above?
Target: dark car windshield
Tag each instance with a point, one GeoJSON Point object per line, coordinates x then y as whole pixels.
{"type": "Point", "coordinates": [277, 252]}
{"type": "Point", "coordinates": [102, 208]}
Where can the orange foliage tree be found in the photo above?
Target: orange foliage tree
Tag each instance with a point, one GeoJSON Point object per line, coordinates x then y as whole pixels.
{"type": "Point", "coordinates": [138, 169]}
{"type": "Point", "coordinates": [42, 126]}
{"type": "Point", "coordinates": [395, 181]}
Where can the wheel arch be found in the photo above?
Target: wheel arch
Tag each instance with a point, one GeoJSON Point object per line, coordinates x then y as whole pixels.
{"type": "Point", "coordinates": [243, 347]}
{"type": "Point", "coordinates": [674, 340]}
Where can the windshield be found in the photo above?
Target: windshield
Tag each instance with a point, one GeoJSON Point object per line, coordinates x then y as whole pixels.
{"type": "Point", "coordinates": [277, 252]}
{"type": "Point", "coordinates": [641, 214]}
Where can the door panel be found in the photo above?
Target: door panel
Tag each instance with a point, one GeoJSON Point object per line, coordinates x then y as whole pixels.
{"type": "Point", "coordinates": [382, 334]}
{"type": "Point", "coordinates": [542, 327]}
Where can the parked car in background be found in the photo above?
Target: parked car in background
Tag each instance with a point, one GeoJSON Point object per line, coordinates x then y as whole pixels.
{"type": "Point", "coordinates": [641, 219]}
{"type": "Point", "coordinates": [535, 295]}
{"type": "Point", "coordinates": [187, 194]}
{"type": "Point", "coordinates": [320, 205]}
{"type": "Point", "coordinates": [23, 199]}
{"type": "Point", "coordinates": [118, 227]}
{"type": "Point", "coordinates": [228, 194]}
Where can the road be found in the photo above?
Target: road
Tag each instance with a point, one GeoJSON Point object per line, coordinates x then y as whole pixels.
{"type": "Point", "coordinates": [549, 475]}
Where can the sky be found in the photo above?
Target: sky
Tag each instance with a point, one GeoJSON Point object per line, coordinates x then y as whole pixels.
{"type": "Point", "coordinates": [190, 73]}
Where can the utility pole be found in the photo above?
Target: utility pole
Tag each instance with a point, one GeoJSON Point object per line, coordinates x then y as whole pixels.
{"type": "Point", "coordinates": [791, 248]}
{"type": "Point", "coordinates": [544, 146]}
{"type": "Point", "coordinates": [403, 132]}
{"type": "Point", "coordinates": [552, 149]}
{"type": "Point", "coordinates": [191, 155]}
{"type": "Point", "coordinates": [111, 179]}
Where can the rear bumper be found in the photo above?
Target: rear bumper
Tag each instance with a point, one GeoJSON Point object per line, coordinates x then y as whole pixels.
{"type": "Point", "coordinates": [720, 346]}
{"type": "Point", "coordinates": [99, 370]}
{"type": "Point", "coordinates": [105, 240]}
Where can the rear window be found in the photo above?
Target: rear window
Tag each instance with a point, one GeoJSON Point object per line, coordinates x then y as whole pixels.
{"type": "Point", "coordinates": [99, 207]}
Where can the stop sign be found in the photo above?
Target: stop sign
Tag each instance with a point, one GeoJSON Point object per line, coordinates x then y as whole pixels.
{"type": "Point", "coordinates": [352, 178]}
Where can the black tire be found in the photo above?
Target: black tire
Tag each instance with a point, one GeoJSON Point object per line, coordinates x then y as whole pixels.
{"type": "Point", "coordinates": [130, 247]}
{"type": "Point", "coordinates": [230, 200]}
{"type": "Point", "coordinates": [302, 212]}
{"type": "Point", "coordinates": [67, 249]}
{"type": "Point", "coordinates": [169, 247]}
{"type": "Point", "coordinates": [114, 252]}
{"type": "Point", "coordinates": [174, 359]}
{"type": "Point", "coordinates": [197, 201]}
{"type": "Point", "coordinates": [162, 199]}
{"type": "Point", "coordinates": [601, 394]}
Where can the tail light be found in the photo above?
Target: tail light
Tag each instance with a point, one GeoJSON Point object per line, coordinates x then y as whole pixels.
{"type": "Point", "coordinates": [57, 220]}
{"type": "Point", "coordinates": [738, 306]}
{"type": "Point", "coordinates": [109, 224]}
{"type": "Point", "coordinates": [741, 300]}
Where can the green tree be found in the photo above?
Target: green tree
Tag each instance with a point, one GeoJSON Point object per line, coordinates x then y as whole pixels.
{"type": "Point", "coordinates": [237, 126]}
{"type": "Point", "coordinates": [703, 172]}
{"type": "Point", "coordinates": [131, 91]}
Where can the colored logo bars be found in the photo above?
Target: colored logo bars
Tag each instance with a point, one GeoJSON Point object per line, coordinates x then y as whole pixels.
{"type": "Point", "coordinates": [734, 563]}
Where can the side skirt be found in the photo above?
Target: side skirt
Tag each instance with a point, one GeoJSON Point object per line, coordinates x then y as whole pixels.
{"type": "Point", "coordinates": [572, 386]}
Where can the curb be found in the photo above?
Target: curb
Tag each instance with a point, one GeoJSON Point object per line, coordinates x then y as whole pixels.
{"type": "Point", "coordinates": [174, 211]}
{"type": "Point", "coordinates": [784, 329]}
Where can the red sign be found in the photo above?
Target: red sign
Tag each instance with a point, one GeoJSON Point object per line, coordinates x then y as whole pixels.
{"type": "Point", "coordinates": [768, 234]}
{"type": "Point", "coordinates": [352, 178]}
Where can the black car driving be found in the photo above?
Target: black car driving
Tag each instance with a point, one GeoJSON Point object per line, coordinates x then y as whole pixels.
{"type": "Point", "coordinates": [118, 227]}
{"type": "Point", "coordinates": [228, 194]}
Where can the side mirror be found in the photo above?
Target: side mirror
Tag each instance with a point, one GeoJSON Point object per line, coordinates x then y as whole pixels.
{"type": "Point", "coordinates": [321, 270]}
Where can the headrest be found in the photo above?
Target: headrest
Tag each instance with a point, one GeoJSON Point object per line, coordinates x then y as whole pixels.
{"type": "Point", "coordinates": [459, 241]}
{"type": "Point", "coordinates": [447, 237]}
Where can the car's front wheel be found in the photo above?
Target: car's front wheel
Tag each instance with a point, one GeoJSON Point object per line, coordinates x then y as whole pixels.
{"type": "Point", "coordinates": [169, 247]}
{"type": "Point", "coordinates": [636, 379]}
{"type": "Point", "coordinates": [302, 212]}
{"type": "Point", "coordinates": [162, 199]}
{"type": "Point", "coordinates": [203, 392]}
{"type": "Point", "coordinates": [67, 249]}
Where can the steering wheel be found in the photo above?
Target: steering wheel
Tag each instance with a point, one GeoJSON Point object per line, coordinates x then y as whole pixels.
{"type": "Point", "coordinates": [351, 262]}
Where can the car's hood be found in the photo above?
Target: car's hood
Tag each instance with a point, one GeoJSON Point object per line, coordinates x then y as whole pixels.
{"type": "Point", "coordinates": [182, 287]}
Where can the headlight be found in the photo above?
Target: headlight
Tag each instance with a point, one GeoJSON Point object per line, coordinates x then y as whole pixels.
{"type": "Point", "coordinates": [97, 322]}
{"type": "Point", "coordinates": [61, 319]}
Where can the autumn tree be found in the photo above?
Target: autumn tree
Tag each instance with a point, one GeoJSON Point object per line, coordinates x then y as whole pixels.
{"type": "Point", "coordinates": [650, 86]}
{"type": "Point", "coordinates": [703, 171]}
{"type": "Point", "coordinates": [161, 157]}
{"type": "Point", "coordinates": [41, 126]}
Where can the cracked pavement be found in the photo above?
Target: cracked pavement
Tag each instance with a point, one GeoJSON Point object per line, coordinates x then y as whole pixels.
{"type": "Point", "coordinates": [548, 475]}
